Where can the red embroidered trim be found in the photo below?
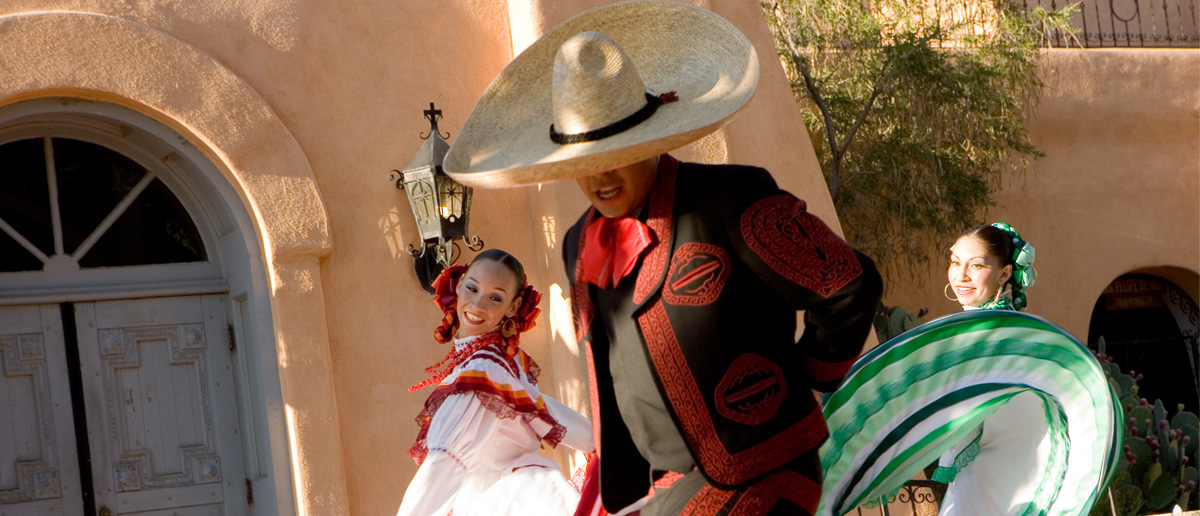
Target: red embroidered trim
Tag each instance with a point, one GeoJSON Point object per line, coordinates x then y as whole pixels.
{"type": "Point", "coordinates": [822, 371]}
{"type": "Point", "coordinates": [751, 391]}
{"type": "Point", "coordinates": [543, 466]}
{"type": "Point", "coordinates": [583, 311]}
{"type": "Point", "coordinates": [452, 456]}
{"type": "Point", "coordinates": [762, 496]}
{"type": "Point", "coordinates": [495, 403]}
{"type": "Point", "coordinates": [697, 274]}
{"type": "Point", "coordinates": [759, 498]}
{"type": "Point", "coordinates": [586, 480]}
{"type": "Point", "coordinates": [698, 426]}
{"type": "Point", "coordinates": [667, 480]}
{"type": "Point", "coordinates": [504, 362]}
{"type": "Point", "coordinates": [503, 402]}
{"type": "Point", "coordinates": [555, 435]}
{"type": "Point", "coordinates": [798, 245]}
{"type": "Point", "coordinates": [579, 476]}
{"type": "Point", "coordinates": [532, 369]}
{"type": "Point", "coordinates": [593, 396]}
{"type": "Point", "coordinates": [660, 220]}
{"type": "Point", "coordinates": [707, 501]}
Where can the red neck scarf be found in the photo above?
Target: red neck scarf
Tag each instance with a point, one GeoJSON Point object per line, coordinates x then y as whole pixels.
{"type": "Point", "coordinates": [611, 249]}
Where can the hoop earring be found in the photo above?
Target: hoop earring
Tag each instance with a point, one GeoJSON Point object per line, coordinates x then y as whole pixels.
{"type": "Point", "coordinates": [508, 327]}
{"type": "Point", "coordinates": [946, 292]}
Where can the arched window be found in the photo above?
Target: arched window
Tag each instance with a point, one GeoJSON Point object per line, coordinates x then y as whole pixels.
{"type": "Point", "coordinates": [93, 207]}
{"type": "Point", "coordinates": [67, 197]}
{"type": "Point", "coordinates": [1150, 325]}
{"type": "Point", "coordinates": [101, 205]}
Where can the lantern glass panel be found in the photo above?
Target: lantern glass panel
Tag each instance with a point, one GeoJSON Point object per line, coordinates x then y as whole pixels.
{"type": "Point", "coordinates": [454, 201]}
{"type": "Point", "coordinates": [451, 200]}
{"type": "Point", "coordinates": [422, 194]}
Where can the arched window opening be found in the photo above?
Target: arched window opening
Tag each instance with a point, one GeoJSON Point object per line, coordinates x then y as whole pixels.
{"type": "Point", "coordinates": [1150, 325]}
{"type": "Point", "coordinates": [68, 197]}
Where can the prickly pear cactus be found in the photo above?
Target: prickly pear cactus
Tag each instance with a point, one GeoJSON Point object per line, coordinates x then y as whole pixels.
{"type": "Point", "coordinates": [1158, 469]}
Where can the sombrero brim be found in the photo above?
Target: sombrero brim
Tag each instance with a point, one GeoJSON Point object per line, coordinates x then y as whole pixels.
{"type": "Point", "coordinates": [677, 47]}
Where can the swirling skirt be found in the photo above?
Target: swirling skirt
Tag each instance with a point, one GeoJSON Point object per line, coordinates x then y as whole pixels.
{"type": "Point", "coordinates": [926, 393]}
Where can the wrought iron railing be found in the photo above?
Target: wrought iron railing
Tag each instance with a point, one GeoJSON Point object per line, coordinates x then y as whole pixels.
{"type": "Point", "coordinates": [1129, 23]}
{"type": "Point", "coordinates": [915, 498]}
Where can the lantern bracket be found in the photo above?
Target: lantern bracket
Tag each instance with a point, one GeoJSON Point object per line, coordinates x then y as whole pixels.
{"type": "Point", "coordinates": [441, 206]}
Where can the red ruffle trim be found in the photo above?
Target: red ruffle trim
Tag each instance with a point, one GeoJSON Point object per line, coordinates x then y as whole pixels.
{"type": "Point", "coordinates": [494, 400]}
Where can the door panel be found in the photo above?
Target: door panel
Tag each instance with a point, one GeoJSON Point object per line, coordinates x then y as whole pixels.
{"type": "Point", "coordinates": [39, 470]}
{"type": "Point", "coordinates": [161, 406]}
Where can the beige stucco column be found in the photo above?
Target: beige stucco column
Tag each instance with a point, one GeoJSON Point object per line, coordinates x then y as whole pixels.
{"type": "Point", "coordinates": [99, 57]}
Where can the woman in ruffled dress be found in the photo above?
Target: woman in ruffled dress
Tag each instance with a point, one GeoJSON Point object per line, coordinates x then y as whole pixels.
{"type": "Point", "coordinates": [483, 423]}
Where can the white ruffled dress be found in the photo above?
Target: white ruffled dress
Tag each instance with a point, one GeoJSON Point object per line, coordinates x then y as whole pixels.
{"type": "Point", "coordinates": [480, 432]}
{"type": "Point", "coordinates": [1000, 468]}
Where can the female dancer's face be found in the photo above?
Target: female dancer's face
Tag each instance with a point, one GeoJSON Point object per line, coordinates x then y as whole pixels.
{"type": "Point", "coordinates": [486, 294]}
{"type": "Point", "coordinates": [975, 276]}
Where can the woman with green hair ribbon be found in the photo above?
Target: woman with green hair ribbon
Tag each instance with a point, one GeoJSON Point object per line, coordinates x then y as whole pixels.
{"type": "Point", "coordinates": [1016, 411]}
{"type": "Point", "coordinates": [1021, 259]}
{"type": "Point", "coordinates": [990, 269]}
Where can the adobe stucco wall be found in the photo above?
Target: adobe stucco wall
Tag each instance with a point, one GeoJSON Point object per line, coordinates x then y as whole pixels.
{"type": "Point", "coordinates": [529, 223]}
{"type": "Point", "coordinates": [305, 105]}
{"type": "Point", "coordinates": [1118, 190]}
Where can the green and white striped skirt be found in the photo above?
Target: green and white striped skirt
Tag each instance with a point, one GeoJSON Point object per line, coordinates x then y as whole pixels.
{"type": "Point", "coordinates": [913, 398]}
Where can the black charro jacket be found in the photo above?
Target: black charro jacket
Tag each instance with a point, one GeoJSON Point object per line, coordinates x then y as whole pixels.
{"type": "Point", "coordinates": [715, 301]}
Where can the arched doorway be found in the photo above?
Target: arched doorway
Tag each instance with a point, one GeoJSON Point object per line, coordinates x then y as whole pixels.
{"type": "Point", "coordinates": [125, 306]}
{"type": "Point", "coordinates": [1150, 325]}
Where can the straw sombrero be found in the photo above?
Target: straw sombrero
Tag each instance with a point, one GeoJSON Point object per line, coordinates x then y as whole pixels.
{"type": "Point", "coordinates": [617, 60]}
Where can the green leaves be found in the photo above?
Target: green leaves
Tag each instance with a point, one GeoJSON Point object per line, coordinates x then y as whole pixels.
{"type": "Point", "coordinates": [916, 108]}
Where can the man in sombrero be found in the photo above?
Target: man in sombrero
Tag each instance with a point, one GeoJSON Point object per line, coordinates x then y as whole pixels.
{"type": "Point", "coordinates": [686, 278]}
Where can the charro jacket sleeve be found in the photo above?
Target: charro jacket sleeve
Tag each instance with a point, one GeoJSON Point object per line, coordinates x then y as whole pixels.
{"type": "Point", "coordinates": [816, 271]}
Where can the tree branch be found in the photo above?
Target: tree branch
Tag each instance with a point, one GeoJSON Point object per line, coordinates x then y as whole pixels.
{"type": "Point", "coordinates": [801, 64]}
{"type": "Point", "coordinates": [883, 80]}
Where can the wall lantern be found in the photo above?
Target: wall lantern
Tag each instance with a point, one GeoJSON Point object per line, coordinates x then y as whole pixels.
{"type": "Point", "coordinates": [440, 205]}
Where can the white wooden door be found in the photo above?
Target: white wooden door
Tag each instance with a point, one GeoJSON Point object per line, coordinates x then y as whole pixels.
{"type": "Point", "coordinates": [159, 393]}
{"type": "Point", "coordinates": [39, 470]}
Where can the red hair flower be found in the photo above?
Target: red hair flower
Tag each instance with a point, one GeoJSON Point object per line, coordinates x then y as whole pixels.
{"type": "Point", "coordinates": [445, 296]}
{"type": "Point", "coordinates": [522, 321]}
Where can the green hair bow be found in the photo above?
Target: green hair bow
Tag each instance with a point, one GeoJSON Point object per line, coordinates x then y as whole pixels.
{"type": "Point", "coordinates": [1023, 272]}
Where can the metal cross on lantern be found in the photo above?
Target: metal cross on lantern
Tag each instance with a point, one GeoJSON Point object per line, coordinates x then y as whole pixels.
{"type": "Point", "coordinates": [441, 206]}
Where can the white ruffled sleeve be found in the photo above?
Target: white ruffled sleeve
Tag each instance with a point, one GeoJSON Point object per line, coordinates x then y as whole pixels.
{"type": "Point", "coordinates": [579, 428]}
